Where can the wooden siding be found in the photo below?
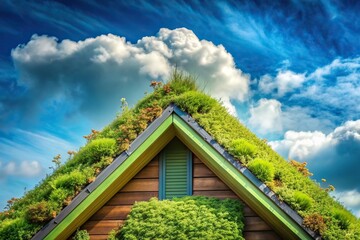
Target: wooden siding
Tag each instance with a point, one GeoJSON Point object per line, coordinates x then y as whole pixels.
{"type": "Point", "coordinates": [142, 187]}
{"type": "Point", "coordinates": [145, 185]}
{"type": "Point", "coordinates": [206, 183]}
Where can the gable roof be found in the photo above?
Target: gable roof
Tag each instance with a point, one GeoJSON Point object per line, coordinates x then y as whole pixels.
{"type": "Point", "coordinates": [175, 122]}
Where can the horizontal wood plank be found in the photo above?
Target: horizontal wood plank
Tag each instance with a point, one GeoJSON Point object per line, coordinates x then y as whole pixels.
{"type": "Point", "coordinates": [112, 213]}
{"type": "Point", "coordinates": [154, 162]}
{"type": "Point", "coordinates": [217, 194]}
{"type": "Point", "coordinates": [148, 172]}
{"type": "Point", "coordinates": [208, 184]}
{"type": "Point", "coordinates": [99, 237]}
{"type": "Point", "coordinates": [141, 185]}
{"type": "Point", "coordinates": [267, 235]}
{"type": "Point", "coordinates": [129, 198]}
{"type": "Point", "coordinates": [102, 227]}
{"type": "Point", "coordinates": [196, 159]}
{"type": "Point", "coordinates": [201, 170]}
{"type": "Point", "coordinates": [248, 212]}
{"type": "Point", "coordinates": [255, 224]}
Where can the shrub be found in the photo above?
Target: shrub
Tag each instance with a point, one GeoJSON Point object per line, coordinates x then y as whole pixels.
{"type": "Point", "coordinates": [95, 150]}
{"type": "Point", "coordinates": [315, 222]}
{"type": "Point", "coordinates": [39, 212]}
{"type": "Point", "coordinates": [81, 235]}
{"type": "Point", "coordinates": [69, 181]}
{"type": "Point", "coordinates": [17, 228]}
{"type": "Point", "coordinates": [243, 150]}
{"type": "Point", "coordinates": [302, 201]}
{"type": "Point", "coordinates": [301, 167]}
{"type": "Point", "coordinates": [184, 218]}
{"type": "Point", "coordinates": [264, 170]}
{"type": "Point", "coordinates": [343, 217]}
{"type": "Point", "coordinates": [195, 102]}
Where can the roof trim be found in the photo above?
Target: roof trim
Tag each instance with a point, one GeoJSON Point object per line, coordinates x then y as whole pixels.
{"type": "Point", "coordinates": [65, 217]}
{"type": "Point", "coordinates": [239, 182]}
{"type": "Point", "coordinates": [184, 122]}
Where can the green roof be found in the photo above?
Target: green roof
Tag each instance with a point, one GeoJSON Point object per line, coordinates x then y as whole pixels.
{"type": "Point", "coordinates": [29, 214]}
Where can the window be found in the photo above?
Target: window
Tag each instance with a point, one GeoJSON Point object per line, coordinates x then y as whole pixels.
{"type": "Point", "coordinates": [175, 171]}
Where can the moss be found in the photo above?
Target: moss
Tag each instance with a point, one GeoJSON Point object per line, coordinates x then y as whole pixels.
{"type": "Point", "coordinates": [264, 170]}
{"type": "Point", "coordinates": [243, 150]}
{"type": "Point", "coordinates": [184, 218]}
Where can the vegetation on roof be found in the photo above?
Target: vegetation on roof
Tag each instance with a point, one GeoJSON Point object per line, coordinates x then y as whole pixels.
{"type": "Point", "coordinates": [184, 218]}
{"type": "Point", "coordinates": [25, 216]}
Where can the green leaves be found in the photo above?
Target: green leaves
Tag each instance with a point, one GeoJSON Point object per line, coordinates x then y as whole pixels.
{"type": "Point", "coordinates": [263, 169]}
{"type": "Point", "coordinates": [184, 218]}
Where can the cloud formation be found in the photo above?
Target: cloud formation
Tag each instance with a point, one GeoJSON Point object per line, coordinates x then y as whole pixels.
{"type": "Point", "coordinates": [26, 169]}
{"type": "Point", "coordinates": [269, 116]}
{"type": "Point", "coordinates": [284, 82]}
{"type": "Point", "coordinates": [330, 92]}
{"type": "Point", "coordinates": [95, 73]}
{"type": "Point", "coordinates": [328, 155]}
{"type": "Point", "coordinates": [333, 156]}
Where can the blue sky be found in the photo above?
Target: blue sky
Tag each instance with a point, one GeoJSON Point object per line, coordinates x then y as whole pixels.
{"type": "Point", "coordinates": [289, 70]}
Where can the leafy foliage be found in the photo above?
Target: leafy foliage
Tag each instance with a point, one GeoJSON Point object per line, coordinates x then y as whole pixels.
{"type": "Point", "coordinates": [301, 167]}
{"type": "Point", "coordinates": [315, 222]}
{"type": "Point", "coordinates": [243, 150]}
{"type": "Point", "coordinates": [81, 235]}
{"type": "Point", "coordinates": [40, 212]}
{"type": "Point", "coordinates": [263, 169]}
{"type": "Point", "coordinates": [302, 201]}
{"type": "Point", "coordinates": [184, 218]}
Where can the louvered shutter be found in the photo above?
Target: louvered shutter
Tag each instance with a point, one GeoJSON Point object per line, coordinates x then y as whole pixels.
{"type": "Point", "coordinates": [175, 171]}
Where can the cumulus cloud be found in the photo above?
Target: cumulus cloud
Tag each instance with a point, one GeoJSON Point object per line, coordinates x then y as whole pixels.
{"type": "Point", "coordinates": [95, 73]}
{"type": "Point", "coordinates": [24, 169]}
{"type": "Point", "coordinates": [270, 116]}
{"type": "Point", "coordinates": [266, 116]}
{"type": "Point", "coordinates": [284, 82]}
{"type": "Point", "coordinates": [329, 156]}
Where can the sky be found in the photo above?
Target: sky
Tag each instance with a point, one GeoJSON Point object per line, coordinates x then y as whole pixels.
{"type": "Point", "coordinates": [289, 70]}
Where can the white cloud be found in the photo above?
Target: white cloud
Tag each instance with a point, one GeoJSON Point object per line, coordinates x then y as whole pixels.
{"type": "Point", "coordinates": [284, 82]}
{"type": "Point", "coordinates": [26, 169]}
{"type": "Point", "coordinates": [299, 145]}
{"type": "Point", "coordinates": [270, 116]}
{"type": "Point", "coordinates": [96, 72]}
{"type": "Point", "coordinates": [331, 156]}
{"type": "Point", "coordinates": [266, 116]}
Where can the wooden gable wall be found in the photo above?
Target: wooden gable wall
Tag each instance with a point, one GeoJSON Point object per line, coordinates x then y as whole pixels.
{"type": "Point", "coordinates": [145, 185]}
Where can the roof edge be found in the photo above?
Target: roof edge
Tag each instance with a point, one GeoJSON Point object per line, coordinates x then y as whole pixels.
{"type": "Point", "coordinates": [171, 109]}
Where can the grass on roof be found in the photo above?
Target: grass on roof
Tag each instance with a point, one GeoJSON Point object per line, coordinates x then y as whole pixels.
{"type": "Point", "coordinates": [25, 216]}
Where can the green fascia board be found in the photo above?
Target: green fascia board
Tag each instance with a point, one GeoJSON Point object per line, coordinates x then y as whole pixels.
{"type": "Point", "coordinates": [251, 194]}
{"type": "Point", "coordinates": [91, 203]}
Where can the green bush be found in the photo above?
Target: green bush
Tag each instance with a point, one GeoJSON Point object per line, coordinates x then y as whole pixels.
{"type": "Point", "coordinates": [243, 150]}
{"type": "Point", "coordinates": [343, 217]}
{"type": "Point", "coordinates": [184, 218]}
{"type": "Point", "coordinates": [39, 212]}
{"type": "Point", "coordinates": [264, 170]}
{"type": "Point", "coordinates": [195, 102]}
{"type": "Point", "coordinates": [81, 235]}
{"type": "Point", "coordinates": [302, 201]}
{"type": "Point", "coordinates": [95, 150]}
{"type": "Point", "coordinates": [17, 228]}
{"type": "Point", "coordinates": [69, 181]}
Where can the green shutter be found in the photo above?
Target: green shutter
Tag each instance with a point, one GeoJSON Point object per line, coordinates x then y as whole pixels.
{"type": "Point", "coordinates": [175, 171]}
